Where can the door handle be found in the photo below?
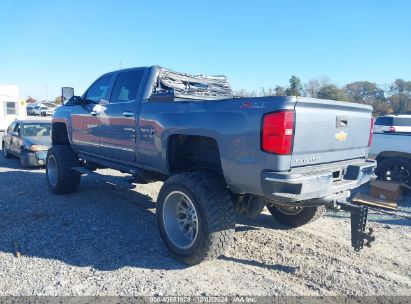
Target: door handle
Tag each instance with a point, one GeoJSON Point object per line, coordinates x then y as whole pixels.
{"type": "Point", "coordinates": [94, 113]}
{"type": "Point", "coordinates": [128, 114]}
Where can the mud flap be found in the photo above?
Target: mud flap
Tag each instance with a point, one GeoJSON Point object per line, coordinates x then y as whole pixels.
{"type": "Point", "coordinates": [359, 237]}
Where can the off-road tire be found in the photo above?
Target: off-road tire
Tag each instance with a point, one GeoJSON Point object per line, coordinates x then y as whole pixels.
{"type": "Point", "coordinates": [66, 179]}
{"type": "Point", "coordinates": [6, 154]}
{"type": "Point", "coordinates": [215, 214]}
{"type": "Point", "coordinates": [305, 216]}
{"type": "Point", "coordinates": [24, 159]}
{"type": "Point", "coordinates": [387, 164]}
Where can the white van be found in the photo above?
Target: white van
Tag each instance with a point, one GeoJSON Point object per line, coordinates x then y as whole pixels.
{"type": "Point", "coordinates": [393, 123]}
{"type": "Point", "coordinates": [11, 107]}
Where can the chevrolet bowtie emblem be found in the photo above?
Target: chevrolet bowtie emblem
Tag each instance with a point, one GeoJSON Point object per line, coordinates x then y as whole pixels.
{"type": "Point", "coordinates": [341, 136]}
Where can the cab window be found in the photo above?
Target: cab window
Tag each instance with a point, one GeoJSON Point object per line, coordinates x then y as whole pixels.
{"type": "Point", "coordinates": [126, 86]}
{"type": "Point", "coordinates": [99, 89]}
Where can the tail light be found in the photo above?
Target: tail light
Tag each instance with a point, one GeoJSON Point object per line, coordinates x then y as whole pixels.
{"type": "Point", "coordinates": [371, 132]}
{"type": "Point", "coordinates": [277, 132]}
{"type": "Point", "coordinates": [391, 129]}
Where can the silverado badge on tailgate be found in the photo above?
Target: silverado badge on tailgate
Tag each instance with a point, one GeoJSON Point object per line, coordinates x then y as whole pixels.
{"type": "Point", "coordinates": [341, 136]}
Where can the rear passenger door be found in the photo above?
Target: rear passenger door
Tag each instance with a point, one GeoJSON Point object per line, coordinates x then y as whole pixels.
{"type": "Point", "coordinates": [118, 120]}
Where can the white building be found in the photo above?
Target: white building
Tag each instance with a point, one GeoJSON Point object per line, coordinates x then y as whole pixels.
{"type": "Point", "coordinates": [11, 106]}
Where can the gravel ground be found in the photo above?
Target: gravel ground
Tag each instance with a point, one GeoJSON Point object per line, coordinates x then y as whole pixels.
{"type": "Point", "coordinates": [103, 240]}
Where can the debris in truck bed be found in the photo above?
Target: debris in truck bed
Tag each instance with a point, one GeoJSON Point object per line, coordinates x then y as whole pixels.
{"type": "Point", "coordinates": [193, 86]}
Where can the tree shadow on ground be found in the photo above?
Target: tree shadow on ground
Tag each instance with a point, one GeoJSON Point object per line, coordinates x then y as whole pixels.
{"type": "Point", "coordinates": [277, 267]}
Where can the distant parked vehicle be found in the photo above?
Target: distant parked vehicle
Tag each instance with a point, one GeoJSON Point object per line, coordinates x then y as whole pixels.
{"type": "Point", "coordinates": [29, 140]}
{"type": "Point", "coordinates": [30, 110]}
{"type": "Point", "coordinates": [393, 123]}
{"type": "Point", "coordinates": [42, 110]}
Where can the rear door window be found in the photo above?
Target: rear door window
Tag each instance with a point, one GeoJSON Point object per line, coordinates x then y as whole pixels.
{"type": "Point", "coordinates": [126, 86]}
{"type": "Point", "coordinates": [402, 121]}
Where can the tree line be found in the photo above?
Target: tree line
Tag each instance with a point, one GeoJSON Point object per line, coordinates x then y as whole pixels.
{"type": "Point", "coordinates": [394, 98]}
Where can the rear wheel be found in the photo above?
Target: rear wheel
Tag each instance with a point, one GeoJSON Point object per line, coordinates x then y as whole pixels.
{"type": "Point", "coordinates": [296, 216]}
{"type": "Point", "coordinates": [195, 215]}
{"type": "Point", "coordinates": [395, 170]}
{"type": "Point", "coordinates": [6, 153]}
{"type": "Point", "coordinates": [61, 178]}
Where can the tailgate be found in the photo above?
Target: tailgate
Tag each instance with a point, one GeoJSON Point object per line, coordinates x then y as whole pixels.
{"type": "Point", "coordinates": [329, 131]}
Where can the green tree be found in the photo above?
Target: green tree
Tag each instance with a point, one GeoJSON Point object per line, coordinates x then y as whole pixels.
{"type": "Point", "coordinates": [313, 86]}
{"type": "Point", "coordinates": [331, 91]}
{"type": "Point", "coordinates": [364, 92]}
{"type": "Point", "coordinates": [296, 88]}
{"type": "Point", "coordinates": [31, 100]}
{"type": "Point", "coordinates": [57, 100]}
{"type": "Point", "coordinates": [280, 91]}
{"type": "Point", "coordinates": [400, 98]}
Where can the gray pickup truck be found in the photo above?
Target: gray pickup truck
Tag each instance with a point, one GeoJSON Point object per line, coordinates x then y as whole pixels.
{"type": "Point", "coordinates": [216, 153]}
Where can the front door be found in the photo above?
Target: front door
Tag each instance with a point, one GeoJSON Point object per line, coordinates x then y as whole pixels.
{"type": "Point", "coordinates": [85, 120]}
{"type": "Point", "coordinates": [118, 117]}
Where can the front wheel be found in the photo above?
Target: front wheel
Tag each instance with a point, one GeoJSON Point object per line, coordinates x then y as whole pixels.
{"type": "Point", "coordinates": [195, 215]}
{"type": "Point", "coordinates": [61, 178]}
{"type": "Point", "coordinates": [296, 216]}
{"type": "Point", "coordinates": [24, 158]}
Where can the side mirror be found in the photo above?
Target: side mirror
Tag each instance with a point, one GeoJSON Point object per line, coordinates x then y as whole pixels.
{"type": "Point", "coordinates": [66, 94]}
{"type": "Point", "coordinates": [14, 133]}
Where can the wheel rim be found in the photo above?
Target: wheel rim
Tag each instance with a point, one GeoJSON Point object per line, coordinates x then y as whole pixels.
{"type": "Point", "coordinates": [398, 173]}
{"type": "Point", "coordinates": [180, 219]}
{"type": "Point", "coordinates": [289, 210]}
{"type": "Point", "coordinates": [52, 170]}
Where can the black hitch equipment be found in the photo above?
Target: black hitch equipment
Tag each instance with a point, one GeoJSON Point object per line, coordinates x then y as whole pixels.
{"type": "Point", "coordinates": [358, 222]}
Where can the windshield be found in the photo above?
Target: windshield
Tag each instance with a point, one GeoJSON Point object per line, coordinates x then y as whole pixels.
{"type": "Point", "coordinates": [36, 129]}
